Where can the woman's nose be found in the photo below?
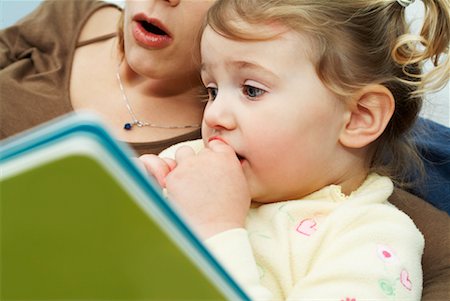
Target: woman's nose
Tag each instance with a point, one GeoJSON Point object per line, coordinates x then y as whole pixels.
{"type": "Point", "coordinates": [219, 114]}
{"type": "Point", "coordinates": [173, 2]}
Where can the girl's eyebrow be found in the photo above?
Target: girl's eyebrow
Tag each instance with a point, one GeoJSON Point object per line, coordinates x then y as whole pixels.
{"type": "Point", "coordinates": [253, 66]}
{"type": "Point", "coordinates": [244, 65]}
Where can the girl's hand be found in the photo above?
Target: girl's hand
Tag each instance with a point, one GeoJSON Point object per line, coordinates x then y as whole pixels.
{"type": "Point", "coordinates": [209, 188]}
{"type": "Point", "coordinates": [158, 167]}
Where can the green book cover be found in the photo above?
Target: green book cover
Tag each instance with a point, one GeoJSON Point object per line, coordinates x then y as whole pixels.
{"type": "Point", "coordinates": [81, 221]}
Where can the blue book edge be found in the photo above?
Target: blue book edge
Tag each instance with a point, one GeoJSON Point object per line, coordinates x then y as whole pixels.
{"type": "Point", "coordinates": [89, 124]}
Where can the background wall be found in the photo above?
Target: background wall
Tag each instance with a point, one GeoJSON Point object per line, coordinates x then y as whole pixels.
{"type": "Point", "coordinates": [11, 10]}
{"type": "Point", "coordinates": [436, 106]}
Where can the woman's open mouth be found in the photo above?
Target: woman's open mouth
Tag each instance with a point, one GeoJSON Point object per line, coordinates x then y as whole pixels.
{"type": "Point", "coordinates": [150, 33]}
{"type": "Point", "coordinates": [152, 28]}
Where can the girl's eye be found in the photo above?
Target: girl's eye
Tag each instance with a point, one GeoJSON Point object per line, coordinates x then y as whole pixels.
{"type": "Point", "coordinates": [252, 92]}
{"type": "Point", "coordinates": [212, 93]}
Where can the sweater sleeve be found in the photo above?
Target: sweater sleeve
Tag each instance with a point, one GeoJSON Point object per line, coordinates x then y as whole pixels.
{"type": "Point", "coordinates": [368, 254]}
{"type": "Point", "coordinates": [232, 249]}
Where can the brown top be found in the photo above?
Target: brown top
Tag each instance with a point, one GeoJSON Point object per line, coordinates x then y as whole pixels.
{"type": "Point", "coordinates": [36, 57]}
{"type": "Point", "coordinates": [435, 227]}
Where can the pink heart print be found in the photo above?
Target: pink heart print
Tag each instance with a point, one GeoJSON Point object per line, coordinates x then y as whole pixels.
{"type": "Point", "coordinates": [307, 227]}
{"type": "Point", "coordinates": [404, 279]}
{"type": "Point", "coordinates": [386, 254]}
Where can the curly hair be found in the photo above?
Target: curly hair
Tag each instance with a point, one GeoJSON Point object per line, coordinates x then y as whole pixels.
{"type": "Point", "coordinates": [357, 43]}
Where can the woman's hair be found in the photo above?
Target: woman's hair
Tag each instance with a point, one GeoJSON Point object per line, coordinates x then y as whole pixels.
{"type": "Point", "coordinates": [357, 43]}
{"type": "Point", "coordinates": [120, 38]}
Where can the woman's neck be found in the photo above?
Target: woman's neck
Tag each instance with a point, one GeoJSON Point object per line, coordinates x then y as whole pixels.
{"type": "Point", "coordinates": [173, 102]}
{"type": "Point", "coordinates": [183, 85]}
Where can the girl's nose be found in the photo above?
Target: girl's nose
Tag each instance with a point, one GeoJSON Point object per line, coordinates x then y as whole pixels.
{"type": "Point", "coordinates": [173, 2]}
{"type": "Point", "coordinates": [219, 114]}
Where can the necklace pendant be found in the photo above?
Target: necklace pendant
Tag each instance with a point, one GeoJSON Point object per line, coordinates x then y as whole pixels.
{"type": "Point", "coordinates": [129, 125]}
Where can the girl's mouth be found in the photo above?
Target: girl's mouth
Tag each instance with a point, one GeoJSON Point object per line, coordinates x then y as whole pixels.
{"type": "Point", "coordinates": [240, 158]}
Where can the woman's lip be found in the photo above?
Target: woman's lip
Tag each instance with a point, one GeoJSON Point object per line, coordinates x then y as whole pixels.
{"type": "Point", "coordinates": [148, 39]}
{"type": "Point", "coordinates": [142, 17]}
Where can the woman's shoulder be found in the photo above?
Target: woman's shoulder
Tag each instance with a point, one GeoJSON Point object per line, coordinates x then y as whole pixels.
{"type": "Point", "coordinates": [55, 22]}
{"type": "Point", "coordinates": [103, 21]}
{"type": "Point", "coordinates": [63, 12]}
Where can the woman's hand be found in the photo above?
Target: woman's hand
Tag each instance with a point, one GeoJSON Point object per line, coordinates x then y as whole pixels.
{"type": "Point", "coordinates": [208, 188]}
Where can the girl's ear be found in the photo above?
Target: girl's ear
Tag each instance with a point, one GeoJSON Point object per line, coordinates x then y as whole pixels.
{"type": "Point", "coordinates": [372, 108]}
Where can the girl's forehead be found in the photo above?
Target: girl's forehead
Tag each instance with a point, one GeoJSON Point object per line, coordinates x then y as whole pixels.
{"type": "Point", "coordinates": [241, 29]}
{"type": "Point", "coordinates": [265, 34]}
{"type": "Point", "coordinates": [279, 54]}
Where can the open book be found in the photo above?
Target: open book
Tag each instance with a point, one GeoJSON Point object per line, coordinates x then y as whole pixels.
{"type": "Point", "coordinates": [80, 221]}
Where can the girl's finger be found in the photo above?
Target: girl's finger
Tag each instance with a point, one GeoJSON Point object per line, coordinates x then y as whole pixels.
{"type": "Point", "coordinates": [183, 153]}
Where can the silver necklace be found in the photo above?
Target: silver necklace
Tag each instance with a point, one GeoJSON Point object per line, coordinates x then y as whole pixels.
{"type": "Point", "coordinates": [142, 123]}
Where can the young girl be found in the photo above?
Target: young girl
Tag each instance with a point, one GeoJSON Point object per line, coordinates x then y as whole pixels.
{"type": "Point", "coordinates": [309, 102]}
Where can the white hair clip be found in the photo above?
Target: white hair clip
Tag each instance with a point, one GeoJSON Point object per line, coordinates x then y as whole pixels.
{"type": "Point", "coordinates": [405, 3]}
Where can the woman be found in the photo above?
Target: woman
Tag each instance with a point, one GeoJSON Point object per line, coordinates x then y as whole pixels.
{"type": "Point", "coordinates": [65, 56]}
{"type": "Point", "coordinates": [74, 62]}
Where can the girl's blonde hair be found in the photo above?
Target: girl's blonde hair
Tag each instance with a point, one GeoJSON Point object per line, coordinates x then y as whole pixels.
{"type": "Point", "coordinates": [359, 42]}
